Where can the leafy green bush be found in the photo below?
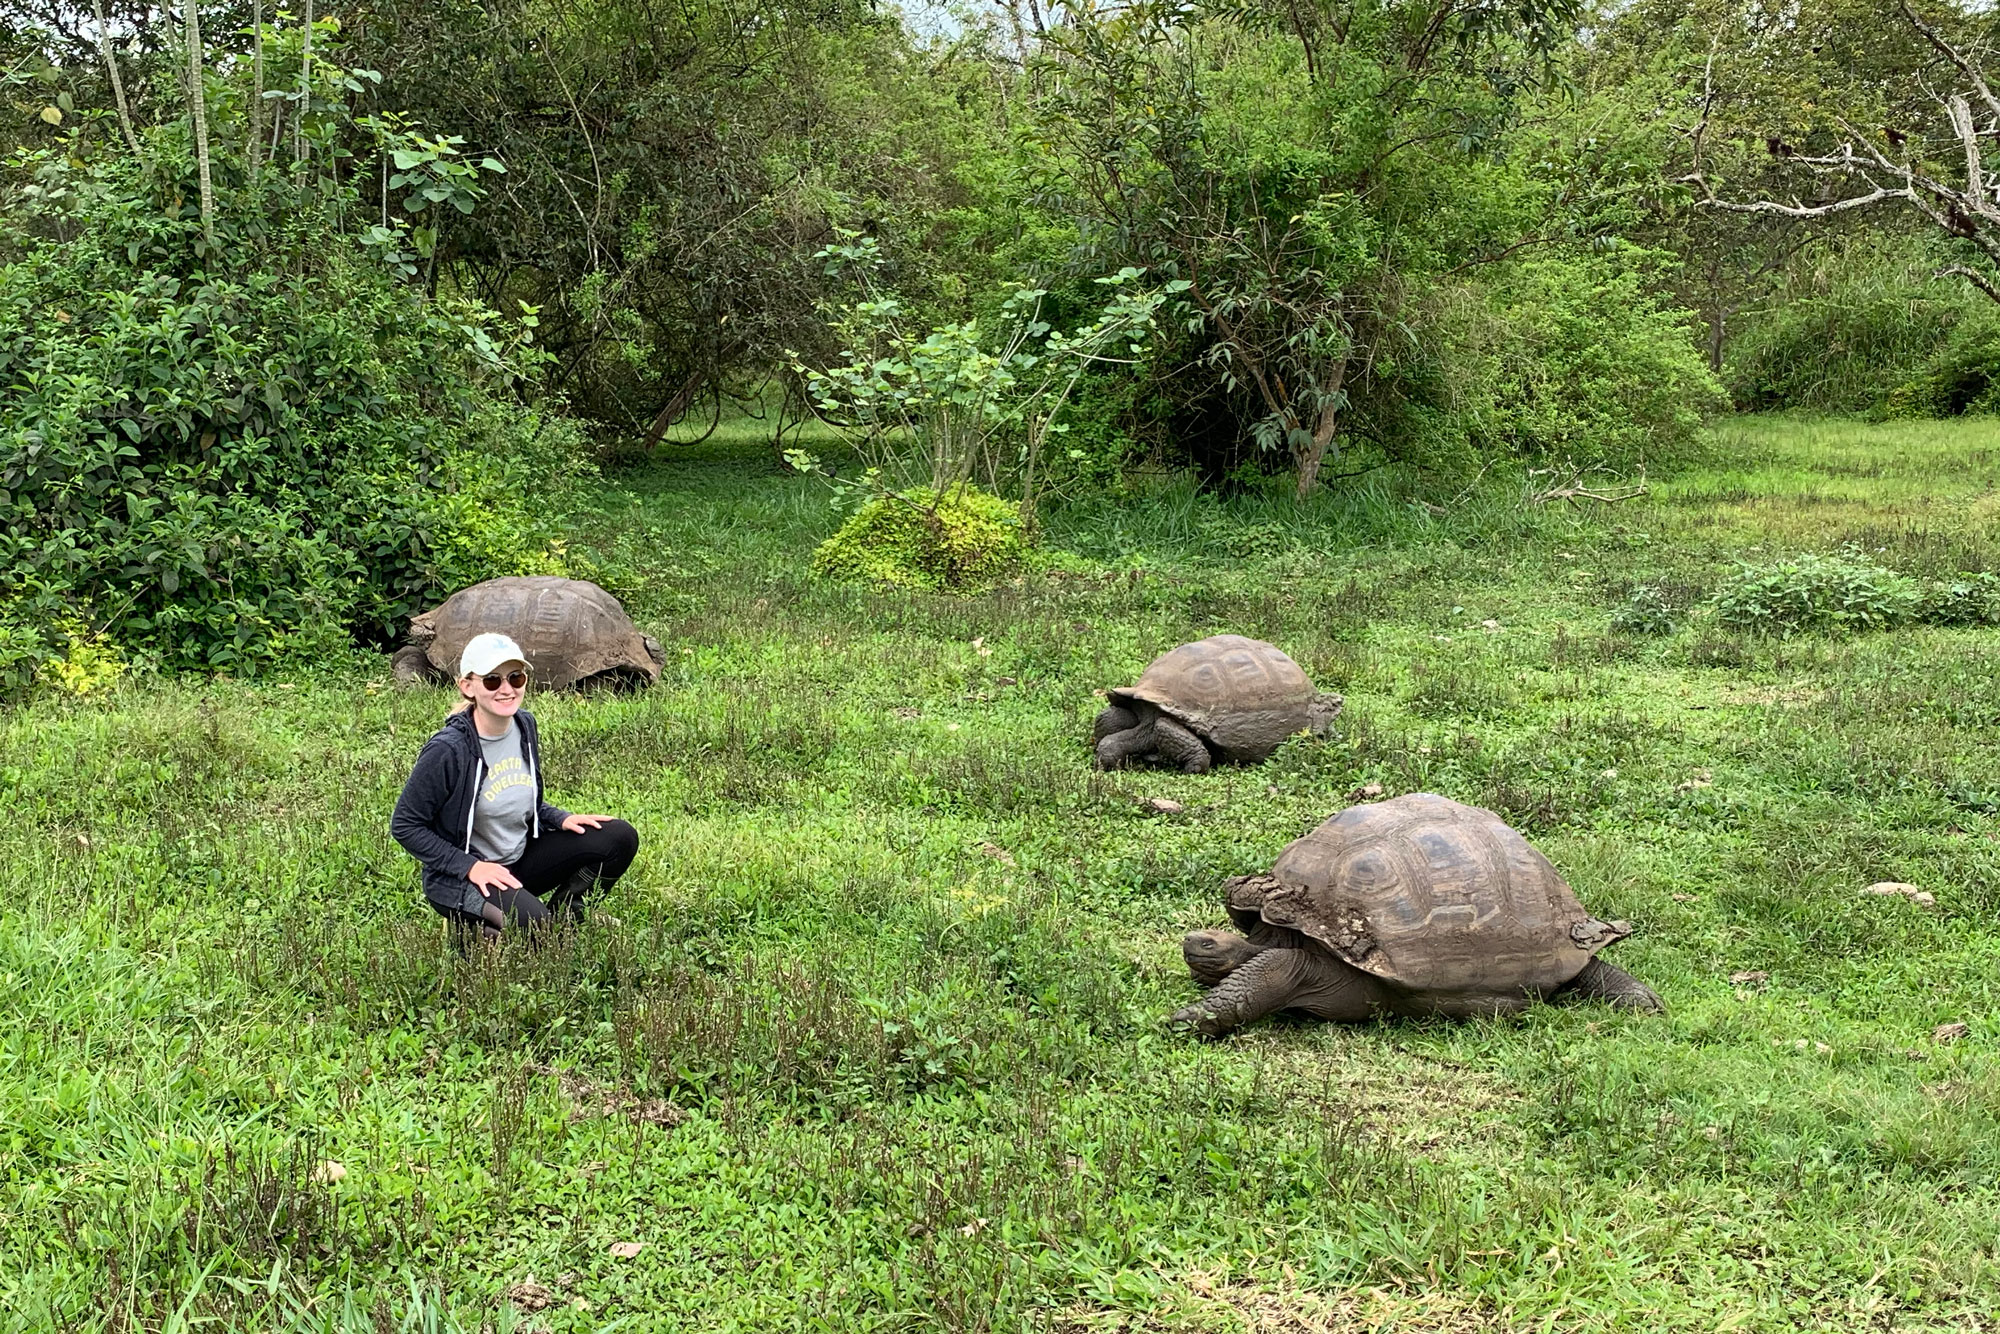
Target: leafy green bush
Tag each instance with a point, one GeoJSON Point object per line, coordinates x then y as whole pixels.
{"type": "Point", "coordinates": [1646, 611]}
{"type": "Point", "coordinates": [1578, 359]}
{"type": "Point", "coordinates": [1963, 376]}
{"type": "Point", "coordinates": [962, 540]}
{"type": "Point", "coordinates": [1970, 599]}
{"type": "Point", "coordinates": [1814, 592]}
{"type": "Point", "coordinates": [222, 453]}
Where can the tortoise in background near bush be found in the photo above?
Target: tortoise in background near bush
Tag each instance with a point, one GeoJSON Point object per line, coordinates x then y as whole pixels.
{"type": "Point", "coordinates": [1415, 906]}
{"type": "Point", "coordinates": [1221, 699]}
{"type": "Point", "coordinates": [574, 633]}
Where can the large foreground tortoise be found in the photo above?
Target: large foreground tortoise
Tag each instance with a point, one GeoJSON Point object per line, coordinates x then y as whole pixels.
{"type": "Point", "coordinates": [1416, 906]}
{"type": "Point", "coordinates": [1224, 699]}
{"type": "Point", "coordinates": [574, 633]}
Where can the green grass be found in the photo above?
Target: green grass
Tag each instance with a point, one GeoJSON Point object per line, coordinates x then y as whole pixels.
{"type": "Point", "coordinates": [879, 1044]}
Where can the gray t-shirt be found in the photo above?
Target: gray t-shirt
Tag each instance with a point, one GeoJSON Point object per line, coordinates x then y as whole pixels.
{"type": "Point", "coordinates": [506, 803]}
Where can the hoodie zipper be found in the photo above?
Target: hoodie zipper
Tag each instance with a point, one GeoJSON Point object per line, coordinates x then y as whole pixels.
{"type": "Point", "coordinates": [529, 748]}
{"type": "Point", "coordinates": [472, 810]}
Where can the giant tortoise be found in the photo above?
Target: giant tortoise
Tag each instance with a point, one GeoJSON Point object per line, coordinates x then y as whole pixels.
{"type": "Point", "coordinates": [574, 633]}
{"type": "Point", "coordinates": [1415, 906]}
{"type": "Point", "coordinates": [1226, 698]}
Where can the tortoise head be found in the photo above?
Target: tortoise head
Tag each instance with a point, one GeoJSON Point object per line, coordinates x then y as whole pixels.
{"type": "Point", "coordinates": [1213, 955]}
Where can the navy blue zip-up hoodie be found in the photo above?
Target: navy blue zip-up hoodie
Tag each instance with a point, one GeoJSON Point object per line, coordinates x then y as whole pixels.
{"type": "Point", "coordinates": [433, 819]}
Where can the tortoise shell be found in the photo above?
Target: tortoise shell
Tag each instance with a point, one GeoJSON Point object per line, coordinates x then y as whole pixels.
{"type": "Point", "coordinates": [1440, 899]}
{"type": "Point", "coordinates": [1242, 696]}
{"type": "Point", "coordinates": [570, 629]}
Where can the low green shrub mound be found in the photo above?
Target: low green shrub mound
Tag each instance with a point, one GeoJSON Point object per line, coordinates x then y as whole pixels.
{"type": "Point", "coordinates": [1646, 611]}
{"type": "Point", "coordinates": [1847, 591]}
{"type": "Point", "coordinates": [960, 541]}
{"type": "Point", "coordinates": [1811, 592]}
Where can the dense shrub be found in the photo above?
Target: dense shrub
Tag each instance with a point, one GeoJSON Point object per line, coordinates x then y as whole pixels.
{"type": "Point", "coordinates": [221, 454]}
{"type": "Point", "coordinates": [1969, 599]}
{"type": "Point", "coordinates": [1962, 376]}
{"type": "Point", "coordinates": [1646, 611]}
{"type": "Point", "coordinates": [1814, 592]}
{"type": "Point", "coordinates": [1573, 357]}
{"type": "Point", "coordinates": [962, 540]}
{"type": "Point", "coordinates": [1850, 332]}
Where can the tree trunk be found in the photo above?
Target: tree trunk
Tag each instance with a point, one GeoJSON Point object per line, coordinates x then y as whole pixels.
{"type": "Point", "coordinates": [254, 146]}
{"type": "Point", "coordinates": [198, 101]}
{"type": "Point", "coordinates": [1717, 319]}
{"type": "Point", "coordinates": [1323, 432]}
{"type": "Point", "coordinates": [117, 84]}
{"type": "Point", "coordinates": [305, 97]}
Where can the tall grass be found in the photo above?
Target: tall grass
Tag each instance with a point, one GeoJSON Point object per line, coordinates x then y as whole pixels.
{"type": "Point", "coordinates": [878, 1044]}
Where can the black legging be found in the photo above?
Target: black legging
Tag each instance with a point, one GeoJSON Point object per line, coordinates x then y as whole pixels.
{"type": "Point", "coordinates": [545, 870]}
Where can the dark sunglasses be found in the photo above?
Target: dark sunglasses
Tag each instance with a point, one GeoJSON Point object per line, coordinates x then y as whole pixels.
{"type": "Point", "coordinates": [516, 678]}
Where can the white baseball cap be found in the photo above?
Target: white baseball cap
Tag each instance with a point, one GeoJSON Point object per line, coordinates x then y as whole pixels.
{"type": "Point", "coordinates": [483, 653]}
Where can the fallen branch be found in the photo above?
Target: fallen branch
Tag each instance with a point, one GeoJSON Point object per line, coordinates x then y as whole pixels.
{"type": "Point", "coordinates": [1572, 488]}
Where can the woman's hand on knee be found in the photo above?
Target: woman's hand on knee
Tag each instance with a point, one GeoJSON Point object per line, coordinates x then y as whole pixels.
{"type": "Point", "coordinates": [489, 876]}
{"type": "Point", "coordinates": [576, 824]}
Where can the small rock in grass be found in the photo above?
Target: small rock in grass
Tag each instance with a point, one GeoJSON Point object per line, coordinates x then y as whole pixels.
{"type": "Point", "coordinates": [997, 853]}
{"type": "Point", "coordinates": [1897, 888]}
{"type": "Point", "coordinates": [328, 1172]}
{"type": "Point", "coordinates": [1684, 898]}
{"type": "Point", "coordinates": [1003, 680]}
{"type": "Point", "coordinates": [530, 1295]}
{"type": "Point", "coordinates": [1950, 1032]}
{"type": "Point", "coordinates": [1755, 978]}
{"type": "Point", "coordinates": [1366, 792]}
{"type": "Point", "coordinates": [625, 1250]}
{"type": "Point", "coordinates": [1163, 806]}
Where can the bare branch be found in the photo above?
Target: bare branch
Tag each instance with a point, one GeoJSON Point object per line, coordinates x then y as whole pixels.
{"type": "Point", "coordinates": [1951, 53]}
{"type": "Point", "coordinates": [1877, 196]}
{"type": "Point", "coordinates": [1976, 193]}
{"type": "Point", "coordinates": [1571, 487]}
{"type": "Point", "coordinates": [1973, 276]}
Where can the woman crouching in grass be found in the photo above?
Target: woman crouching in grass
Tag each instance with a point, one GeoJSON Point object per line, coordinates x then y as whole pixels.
{"type": "Point", "coordinates": [472, 811]}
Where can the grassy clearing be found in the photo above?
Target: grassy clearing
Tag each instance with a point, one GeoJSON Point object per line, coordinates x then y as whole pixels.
{"type": "Point", "coordinates": [878, 1046]}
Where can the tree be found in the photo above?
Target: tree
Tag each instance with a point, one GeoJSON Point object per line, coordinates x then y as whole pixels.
{"type": "Point", "coordinates": [1303, 166]}
{"type": "Point", "coordinates": [1940, 172]}
{"type": "Point", "coordinates": [674, 169]}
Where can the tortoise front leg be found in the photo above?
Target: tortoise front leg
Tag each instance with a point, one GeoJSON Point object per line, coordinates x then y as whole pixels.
{"type": "Point", "coordinates": [1179, 747]}
{"type": "Point", "coordinates": [412, 666]}
{"type": "Point", "coordinates": [1287, 979]}
{"type": "Point", "coordinates": [1115, 718]}
{"type": "Point", "coordinates": [1600, 981]}
{"type": "Point", "coordinates": [1121, 748]}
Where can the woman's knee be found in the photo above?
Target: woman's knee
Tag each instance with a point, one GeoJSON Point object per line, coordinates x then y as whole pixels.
{"type": "Point", "coordinates": [621, 844]}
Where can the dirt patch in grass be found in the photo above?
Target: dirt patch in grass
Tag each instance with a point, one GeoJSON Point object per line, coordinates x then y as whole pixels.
{"type": "Point", "coordinates": [1209, 1303]}
{"type": "Point", "coordinates": [1387, 1096]}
